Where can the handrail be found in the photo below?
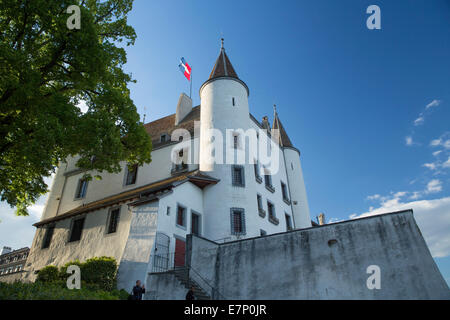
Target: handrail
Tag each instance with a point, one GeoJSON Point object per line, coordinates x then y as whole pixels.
{"type": "Point", "coordinates": [164, 262]}
{"type": "Point", "coordinates": [214, 290]}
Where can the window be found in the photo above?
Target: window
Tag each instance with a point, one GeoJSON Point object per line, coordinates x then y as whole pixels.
{"type": "Point", "coordinates": [268, 181]}
{"type": "Point", "coordinates": [235, 141]}
{"type": "Point", "coordinates": [233, 101]}
{"type": "Point", "coordinates": [168, 211]}
{"type": "Point", "coordinates": [195, 224]}
{"type": "Point", "coordinates": [113, 220]}
{"type": "Point", "coordinates": [81, 189]}
{"type": "Point", "coordinates": [256, 167]}
{"type": "Point", "coordinates": [261, 211]}
{"type": "Point", "coordinates": [163, 138]}
{"type": "Point", "coordinates": [237, 221]}
{"type": "Point", "coordinates": [271, 209]}
{"type": "Point", "coordinates": [238, 177]}
{"type": "Point", "coordinates": [77, 229]}
{"type": "Point", "coordinates": [288, 222]}
{"type": "Point", "coordinates": [181, 216]}
{"type": "Point", "coordinates": [131, 175]}
{"type": "Point", "coordinates": [48, 237]}
{"type": "Point", "coordinates": [259, 198]}
{"type": "Point", "coordinates": [284, 192]}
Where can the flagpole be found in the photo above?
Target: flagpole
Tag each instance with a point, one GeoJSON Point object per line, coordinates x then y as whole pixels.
{"type": "Point", "coordinates": [190, 90]}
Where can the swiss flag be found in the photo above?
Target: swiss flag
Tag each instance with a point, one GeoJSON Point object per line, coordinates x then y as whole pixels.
{"type": "Point", "coordinates": [185, 69]}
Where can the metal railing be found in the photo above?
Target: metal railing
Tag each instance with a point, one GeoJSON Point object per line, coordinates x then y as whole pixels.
{"type": "Point", "coordinates": [215, 294]}
{"type": "Point", "coordinates": [163, 262]}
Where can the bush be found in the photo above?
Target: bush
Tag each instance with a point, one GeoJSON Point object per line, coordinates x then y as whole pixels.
{"type": "Point", "coordinates": [97, 274]}
{"type": "Point", "coordinates": [48, 274]}
{"type": "Point", "coordinates": [101, 272]}
{"type": "Point", "coordinates": [53, 291]}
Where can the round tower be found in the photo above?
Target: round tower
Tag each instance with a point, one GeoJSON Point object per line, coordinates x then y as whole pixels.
{"type": "Point", "coordinates": [297, 190]}
{"type": "Point", "coordinates": [224, 115]}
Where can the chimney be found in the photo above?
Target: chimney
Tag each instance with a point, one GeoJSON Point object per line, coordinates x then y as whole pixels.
{"type": "Point", "coordinates": [6, 250]}
{"type": "Point", "coordinates": [321, 219]}
{"type": "Point", "coordinates": [183, 108]}
{"type": "Point", "coordinates": [265, 123]}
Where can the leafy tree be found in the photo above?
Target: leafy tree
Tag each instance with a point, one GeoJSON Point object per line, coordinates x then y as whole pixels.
{"type": "Point", "coordinates": [46, 71]}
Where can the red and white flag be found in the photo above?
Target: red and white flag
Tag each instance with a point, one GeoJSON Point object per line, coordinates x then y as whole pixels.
{"type": "Point", "coordinates": [185, 69]}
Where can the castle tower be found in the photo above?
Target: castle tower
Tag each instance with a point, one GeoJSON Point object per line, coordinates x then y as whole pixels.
{"type": "Point", "coordinates": [299, 200]}
{"type": "Point", "coordinates": [224, 108]}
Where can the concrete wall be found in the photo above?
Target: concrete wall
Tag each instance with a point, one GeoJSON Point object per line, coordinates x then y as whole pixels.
{"type": "Point", "coordinates": [135, 259]}
{"type": "Point", "coordinates": [164, 286]}
{"type": "Point", "coordinates": [327, 262]}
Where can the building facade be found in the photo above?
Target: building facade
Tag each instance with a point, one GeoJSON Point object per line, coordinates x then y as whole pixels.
{"type": "Point", "coordinates": [12, 263]}
{"type": "Point", "coordinates": [195, 184]}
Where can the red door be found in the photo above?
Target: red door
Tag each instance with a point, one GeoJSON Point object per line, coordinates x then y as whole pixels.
{"type": "Point", "coordinates": [180, 253]}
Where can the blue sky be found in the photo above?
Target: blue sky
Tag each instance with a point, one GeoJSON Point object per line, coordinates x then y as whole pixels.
{"type": "Point", "coordinates": [368, 109]}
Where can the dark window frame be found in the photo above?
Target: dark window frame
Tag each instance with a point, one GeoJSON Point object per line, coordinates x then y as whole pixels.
{"type": "Point", "coordinates": [184, 217]}
{"type": "Point", "coordinates": [113, 220]}
{"type": "Point", "coordinates": [241, 230]}
{"type": "Point", "coordinates": [234, 181]}
{"type": "Point", "coordinates": [49, 230]}
{"type": "Point", "coordinates": [80, 192]}
{"type": "Point", "coordinates": [131, 173]}
{"type": "Point", "coordinates": [199, 223]}
{"type": "Point", "coordinates": [74, 237]}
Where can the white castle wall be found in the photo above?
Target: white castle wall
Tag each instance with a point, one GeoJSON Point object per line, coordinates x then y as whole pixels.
{"type": "Point", "coordinates": [299, 199]}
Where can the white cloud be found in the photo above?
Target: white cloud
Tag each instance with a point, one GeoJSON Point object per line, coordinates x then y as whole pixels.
{"type": "Point", "coordinates": [409, 141]}
{"type": "Point", "coordinates": [436, 153]}
{"type": "Point", "coordinates": [433, 103]}
{"type": "Point", "coordinates": [433, 219]}
{"type": "Point", "coordinates": [419, 121]}
{"type": "Point", "coordinates": [373, 197]}
{"type": "Point", "coordinates": [434, 186]}
{"type": "Point", "coordinates": [446, 164]}
{"type": "Point", "coordinates": [431, 166]}
{"type": "Point", "coordinates": [443, 141]}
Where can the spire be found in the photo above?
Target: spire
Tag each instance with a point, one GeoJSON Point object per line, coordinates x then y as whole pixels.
{"type": "Point", "coordinates": [223, 67]}
{"type": "Point", "coordinates": [283, 138]}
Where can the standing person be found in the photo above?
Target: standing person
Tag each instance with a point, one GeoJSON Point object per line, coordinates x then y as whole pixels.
{"type": "Point", "coordinates": [138, 290]}
{"type": "Point", "coordinates": [190, 294]}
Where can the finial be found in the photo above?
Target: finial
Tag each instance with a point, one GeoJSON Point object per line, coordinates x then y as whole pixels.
{"type": "Point", "coordinates": [222, 39]}
{"type": "Point", "coordinates": [274, 108]}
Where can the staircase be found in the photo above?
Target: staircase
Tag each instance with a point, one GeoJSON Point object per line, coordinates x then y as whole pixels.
{"type": "Point", "coordinates": [181, 273]}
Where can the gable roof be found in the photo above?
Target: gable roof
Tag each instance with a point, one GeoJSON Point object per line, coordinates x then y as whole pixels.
{"type": "Point", "coordinates": [167, 125]}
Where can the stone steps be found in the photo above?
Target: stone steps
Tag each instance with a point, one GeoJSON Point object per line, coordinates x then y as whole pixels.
{"type": "Point", "coordinates": [181, 275]}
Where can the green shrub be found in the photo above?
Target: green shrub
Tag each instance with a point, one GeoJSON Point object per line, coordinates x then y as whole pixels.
{"type": "Point", "coordinates": [100, 272]}
{"type": "Point", "coordinates": [53, 291]}
{"type": "Point", "coordinates": [48, 274]}
{"type": "Point", "coordinates": [97, 274]}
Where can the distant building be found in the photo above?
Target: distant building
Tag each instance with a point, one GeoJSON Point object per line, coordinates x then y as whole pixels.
{"type": "Point", "coordinates": [12, 263]}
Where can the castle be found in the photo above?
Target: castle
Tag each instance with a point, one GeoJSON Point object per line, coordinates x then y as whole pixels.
{"type": "Point", "coordinates": [223, 207]}
{"type": "Point", "coordinates": [221, 201]}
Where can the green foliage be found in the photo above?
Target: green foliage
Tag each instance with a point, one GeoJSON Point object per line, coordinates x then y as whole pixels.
{"type": "Point", "coordinates": [46, 71]}
{"type": "Point", "coordinates": [54, 291]}
{"type": "Point", "coordinates": [98, 273]}
{"type": "Point", "coordinates": [48, 274]}
{"type": "Point", "coordinates": [98, 281]}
